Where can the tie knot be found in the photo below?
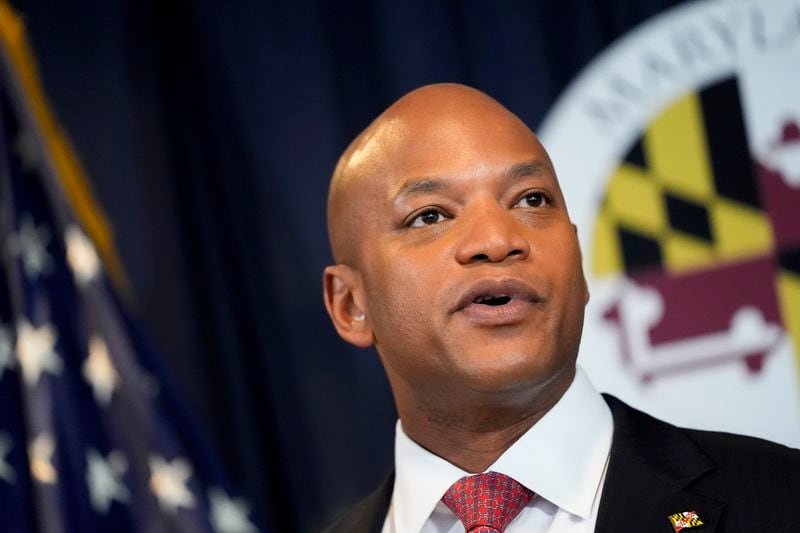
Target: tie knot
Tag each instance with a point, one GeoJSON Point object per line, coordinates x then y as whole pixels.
{"type": "Point", "coordinates": [486, 503]}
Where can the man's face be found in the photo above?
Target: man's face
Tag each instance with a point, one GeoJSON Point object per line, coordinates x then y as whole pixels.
{"type": "Point", "coordinates": [470, 264]}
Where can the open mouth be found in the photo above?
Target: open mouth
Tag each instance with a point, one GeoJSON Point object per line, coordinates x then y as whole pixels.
{"type": "Point", "coordinates": [492, 300]}
{"type": "Point", "coordinates": [497, 300]}
{"type": "Point", "coordinates": [497, 304]}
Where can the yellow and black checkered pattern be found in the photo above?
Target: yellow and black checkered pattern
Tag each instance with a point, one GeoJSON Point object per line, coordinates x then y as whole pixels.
{"type": "Point", "coordinates": [686, 195]}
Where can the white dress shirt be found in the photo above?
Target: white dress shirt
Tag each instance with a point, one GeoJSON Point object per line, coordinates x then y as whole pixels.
{"type": "Point", "coordinates": [562, 459]}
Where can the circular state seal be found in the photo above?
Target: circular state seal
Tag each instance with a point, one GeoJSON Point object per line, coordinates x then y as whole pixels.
{"type": "Point", "coordinates": [678, 149]}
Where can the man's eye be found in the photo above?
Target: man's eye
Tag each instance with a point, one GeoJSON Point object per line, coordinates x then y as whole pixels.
{"type": "Point", "coordinates": [532, 199]}
{"type": "Point", "coordinates": [427, 218]}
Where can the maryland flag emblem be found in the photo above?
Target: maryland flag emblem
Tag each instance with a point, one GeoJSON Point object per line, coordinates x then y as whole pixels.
{"type": "Point", "coordinates": [684, 520]}
{"type": "Point", "coordinates": [678, 150]}
{"type": "Point", "coordinates": [708, 237]}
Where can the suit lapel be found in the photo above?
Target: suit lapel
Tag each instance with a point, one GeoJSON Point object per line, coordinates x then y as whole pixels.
{"type": "Point", "coordinates": [650, 470]}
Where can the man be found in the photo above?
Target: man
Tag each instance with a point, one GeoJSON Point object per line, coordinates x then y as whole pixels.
{"type": "Point", "coordinates": [455, 256]}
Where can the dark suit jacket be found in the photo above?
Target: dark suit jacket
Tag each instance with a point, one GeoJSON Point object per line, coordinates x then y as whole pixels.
{"type": "Point", "coordinates": [735, 484]}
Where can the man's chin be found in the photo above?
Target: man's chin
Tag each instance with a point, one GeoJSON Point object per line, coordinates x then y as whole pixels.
{"type": "Point", "coordinates": [497, 372]}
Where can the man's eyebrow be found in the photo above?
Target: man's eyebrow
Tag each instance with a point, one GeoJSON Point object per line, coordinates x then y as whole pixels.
{"type": "Point", "coordinates": [527, 169]}
{"type": "Point", "coordinates": [425, 185]}
{"type": "Point", "coordinates": [419, 186]}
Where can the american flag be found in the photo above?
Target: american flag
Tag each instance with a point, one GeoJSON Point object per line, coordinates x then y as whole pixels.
{"type": "Point", "coordinates": [92, 437]}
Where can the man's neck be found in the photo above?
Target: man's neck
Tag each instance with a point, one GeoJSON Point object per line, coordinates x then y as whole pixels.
{"type": "Point", "coordinates": [472, 436]}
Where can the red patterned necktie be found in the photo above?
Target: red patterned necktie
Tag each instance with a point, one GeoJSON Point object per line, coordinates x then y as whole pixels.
{"type": "Point", "coordinates": [486, 503]}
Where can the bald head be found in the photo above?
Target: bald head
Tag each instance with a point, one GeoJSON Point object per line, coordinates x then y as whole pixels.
{"type": "Point", "coordinates": [420, 125]}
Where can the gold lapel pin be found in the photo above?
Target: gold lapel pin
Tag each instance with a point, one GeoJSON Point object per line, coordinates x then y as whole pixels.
{"type": "Point", "coordinates": [684, 520]}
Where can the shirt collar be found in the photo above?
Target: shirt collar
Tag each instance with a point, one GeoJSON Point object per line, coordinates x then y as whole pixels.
{"type": "Point", "coordinates": [560, 458]}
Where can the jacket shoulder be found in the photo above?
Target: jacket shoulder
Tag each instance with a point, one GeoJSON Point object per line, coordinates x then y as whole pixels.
{"type": "Point", "coordinates": [755, 457]}
{"type": "Point", "coordinates": [721, 449]}
{"type": "Point", "coordinates": [757, 480]}
{"type": "Point", "coordinates": [738, 483]}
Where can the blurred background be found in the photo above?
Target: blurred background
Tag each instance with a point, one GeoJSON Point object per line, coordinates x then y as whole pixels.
{"type": "Point", "coordinates": [209, 131]}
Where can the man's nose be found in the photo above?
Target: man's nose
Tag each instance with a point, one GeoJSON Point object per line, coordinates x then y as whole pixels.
{"type": "Point", "coordinates": [491, 234]}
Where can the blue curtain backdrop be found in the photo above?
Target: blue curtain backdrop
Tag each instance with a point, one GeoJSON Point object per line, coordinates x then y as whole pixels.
{"type": "Point", "coordinates": [210, 130]}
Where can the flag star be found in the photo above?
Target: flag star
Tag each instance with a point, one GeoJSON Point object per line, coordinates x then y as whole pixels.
{"type": "Point", "coordinates": [6, 349]}
{"type": "Point", "coordinates": [99, 371]}
{"type": "Point", "coordinates": [40, 454]}
{"type": "Point", "coordinates": [81, 256]}
{"type": "Point", "coordinates": [30, 244]}
{"type": "Point", "coordinates": [229, 515]}
{"type": "Point", "coordinates": [168, 482]}
{"type": "Point", "coordinates": [102, 477]}
{"type": "Point", "coordinates": [36, 351]}
{"type": "Point", "coordinates": [6, 470]}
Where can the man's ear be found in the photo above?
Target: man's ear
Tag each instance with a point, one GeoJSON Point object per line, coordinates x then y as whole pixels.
{"type": "Point", "coordinates": [583, 276]}
{"type": "Point", "coordinates": [344, 299]}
